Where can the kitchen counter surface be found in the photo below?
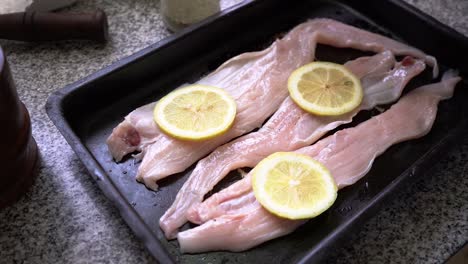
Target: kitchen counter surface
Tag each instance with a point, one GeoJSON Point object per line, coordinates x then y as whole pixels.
{"type": "Point", "coordinates": [66, 219]}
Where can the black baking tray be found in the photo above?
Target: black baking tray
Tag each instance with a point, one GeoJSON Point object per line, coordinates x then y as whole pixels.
{"type": "Point", "coordinates": [85, 112]}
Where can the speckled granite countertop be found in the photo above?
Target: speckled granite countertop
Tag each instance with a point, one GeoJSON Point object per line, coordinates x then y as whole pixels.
{"type": "Point", "coordinates": [66, 219]}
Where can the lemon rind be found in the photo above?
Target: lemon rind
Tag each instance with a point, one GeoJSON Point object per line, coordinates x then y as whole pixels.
{"type": "Point", "coordinates": [259, 176]}
{"type": "Point", "coordinates": [295, 77]}
{"type": "Point", "coordinates": [182, 134]}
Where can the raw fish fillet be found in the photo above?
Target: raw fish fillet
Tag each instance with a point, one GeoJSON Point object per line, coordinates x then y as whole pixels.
{"type": "Point", "coordinates": [256, 81]}
{"type": "Point", "coordinates": [235, 221]}
{"type": "Point", "coordinates": [290, 128]}
{"type": "Point", "coordinates": [135, 133]}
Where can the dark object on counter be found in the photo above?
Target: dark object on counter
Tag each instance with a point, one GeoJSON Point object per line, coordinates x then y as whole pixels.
{"type": "Point", "coordinates": [460, 257]}
{"type": "Point", "coordinates": [86, 112]}
{"type": "Point", "coordinates": [45, 26]}
{"type": "Point", "coordinates": [18, 150]}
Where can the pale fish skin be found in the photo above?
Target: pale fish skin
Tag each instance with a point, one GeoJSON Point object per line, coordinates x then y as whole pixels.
{"type": "Point", "coordinates": [289, 129]}
{"type": "Point", "coordinates": [237, 222]}
{"type": "Point", "coordinates": [257, 82]}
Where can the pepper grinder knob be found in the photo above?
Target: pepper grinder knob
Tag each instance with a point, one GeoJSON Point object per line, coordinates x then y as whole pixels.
{"type": "Point", "coordinates": [18, 150]}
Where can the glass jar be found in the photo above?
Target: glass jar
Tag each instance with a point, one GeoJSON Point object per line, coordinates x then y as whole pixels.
{"type": "Point", "coordinates": [178, 14]}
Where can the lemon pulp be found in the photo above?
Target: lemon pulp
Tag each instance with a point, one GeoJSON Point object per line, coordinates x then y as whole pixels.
{"type": "Point", "coordinates": [195, 112]}
{"type": "Point", "coordinates": [325, 88]}
{"type": "Point", "coordinates": [293, 185]}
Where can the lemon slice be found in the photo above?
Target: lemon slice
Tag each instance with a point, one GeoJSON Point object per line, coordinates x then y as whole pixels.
{"type": "Point", "coordinates": [325, 88]}
{"type": "Point", "coordinates": [195, 112]}
{"type": "Point", "coordinates": [293, 186]}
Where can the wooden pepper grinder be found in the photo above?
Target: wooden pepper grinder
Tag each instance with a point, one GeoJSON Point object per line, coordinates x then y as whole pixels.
{"type": "Point", "coordinates": [18, 150]}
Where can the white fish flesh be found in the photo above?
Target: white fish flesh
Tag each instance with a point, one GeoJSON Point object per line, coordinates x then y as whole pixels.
{"type": "Point", "coordinates": [256, 81]}
{"type": "Point", "coordinates": [290, 128]}
{"type": "Point", "coordinates": [236, 221]}
{"type": "Point", "coordinates": [135, 133]}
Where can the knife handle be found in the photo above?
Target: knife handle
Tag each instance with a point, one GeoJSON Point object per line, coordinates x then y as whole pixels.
{"type": "Point", "coordinates": [39, 26]}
